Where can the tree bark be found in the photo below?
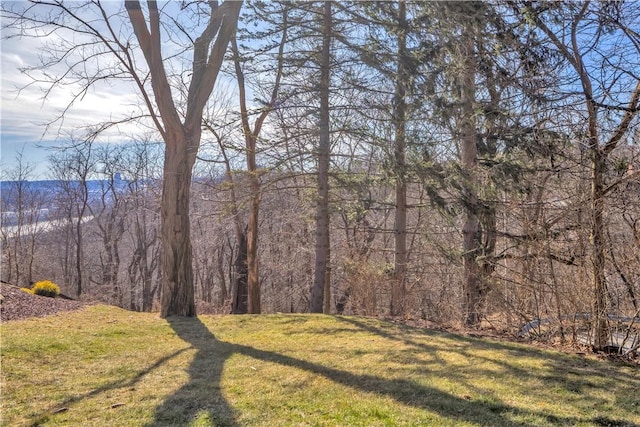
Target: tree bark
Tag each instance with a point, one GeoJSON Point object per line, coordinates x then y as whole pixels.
{"type": "Point", "coordinates": [253, 282]}
{"type": "Point", "coordinates": [600, 310]}
{"type": "Point", "coordinates": [471, 230]}
{"type": "Point", "coordinates": [182, 139]}
{"type": "Point", "coordinates": [398, 291]}
{"type": "Point", "coordinates": [177, 297]}
{"type": "Point", "coordinates": [326, 304]}
{"type": "Point", "coordinates": [324, 147]}
{"type": "Point", "coordinates": [239, 292]}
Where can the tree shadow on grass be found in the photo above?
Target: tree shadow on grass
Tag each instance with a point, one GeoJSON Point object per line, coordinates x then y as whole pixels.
{"type": "Point", "coordinates": [201, 399]}
{"type": "Point", "coordinates": [455, 409]}
{"type": "Point", "coordinates": [573, 374]}
{"type": "Point", "coordinates": [63, 406]}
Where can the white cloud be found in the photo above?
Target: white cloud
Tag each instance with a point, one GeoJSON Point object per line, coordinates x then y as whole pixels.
{"type": "Point", "coordinates": [25, 113]}
{"type": "Point", "coordinates": [25, 110]}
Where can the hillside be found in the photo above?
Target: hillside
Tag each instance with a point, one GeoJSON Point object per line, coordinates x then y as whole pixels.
{"type": "Point", "coordinates": [106, 366]}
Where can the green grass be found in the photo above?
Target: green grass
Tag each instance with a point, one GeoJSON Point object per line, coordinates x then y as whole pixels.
{"type": "Point", "coordinates": [108, 367]}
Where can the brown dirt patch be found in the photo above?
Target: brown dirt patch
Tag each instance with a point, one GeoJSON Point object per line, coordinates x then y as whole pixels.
{"type": "Point", "coordinates": [17, 304]}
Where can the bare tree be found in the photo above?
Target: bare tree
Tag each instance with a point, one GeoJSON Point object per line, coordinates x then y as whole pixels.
{"type": "Point", "coordinates": [251, 136]}
{"type": "Point", "coordinates": [109, 216]}
{"type": "Point", "coordinates": [142, 222]}
{"type": "Point", "coordinates": [109, 53]}
{"type": "Point", "coordinates": [72, 168]}
{"type": "Point", "coordinates": [610, 110]}
{"type": "Point", "coordinates": [182, 138]}
{"type": "Point", "coordinates": [22, 214]}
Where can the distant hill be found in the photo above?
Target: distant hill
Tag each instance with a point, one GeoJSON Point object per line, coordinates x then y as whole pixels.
{"type": "Point", "coordinates": [40, 199]}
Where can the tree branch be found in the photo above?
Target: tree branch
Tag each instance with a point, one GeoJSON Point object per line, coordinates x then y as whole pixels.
{"type": "Point", "coordinates": [149, 39]}
{"type": "Point", "coordinates": [631, 111]}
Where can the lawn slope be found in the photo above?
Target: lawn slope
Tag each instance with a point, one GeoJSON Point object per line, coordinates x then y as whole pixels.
{"type": "Point", "coordinates": [106, 366]}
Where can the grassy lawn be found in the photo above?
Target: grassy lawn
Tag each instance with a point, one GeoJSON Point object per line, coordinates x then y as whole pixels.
{"type": "Point", "coordinates": [108, 367]}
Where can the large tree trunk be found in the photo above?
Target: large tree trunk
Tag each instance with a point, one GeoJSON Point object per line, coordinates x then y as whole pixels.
{"type": "Point", "coordinates": [182, 138]}
{"type": "Point", "coordinates": [322, 209]}
{"type": "Point", "coordinates": [177, 295]}
{"type": "Point", "coordinates": [398, 290]}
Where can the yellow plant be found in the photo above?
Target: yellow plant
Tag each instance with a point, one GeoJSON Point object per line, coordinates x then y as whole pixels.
{"type": "Point", "coordinates": [27, 290]}
{"type": "Point", "coordinates": [46, 288]}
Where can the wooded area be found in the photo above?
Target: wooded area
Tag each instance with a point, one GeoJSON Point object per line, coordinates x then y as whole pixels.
{"type": "Point", "coordinates": [467, 163]}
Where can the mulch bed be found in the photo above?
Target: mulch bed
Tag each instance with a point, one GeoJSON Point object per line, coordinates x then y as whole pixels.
{"type": "Point", "coordinates": [17, 304]}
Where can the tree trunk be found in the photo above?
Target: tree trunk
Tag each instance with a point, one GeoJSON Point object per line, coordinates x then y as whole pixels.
{"type": "Point", "coordinates": [600, 324]}
{"type": "Point", "coordinates": [182, 138]}
{"type": "Point", "coordinates": [471, 230]}
{"type": "Point", "coordinates": [251, 140]}
{"type": "Point", "coordinates": [322, 209]}
{"type": "Point", "coordinates": [327, 287]}
{"type": "Point", "coordinates": [398, 290]}
{"type": "Point", "coordinates": [177, 295]}
{"type": "Point", "coordinates": [222, 299]}
{"type": "Point", "coordinates": [239, 292]}
{"type": "Point", "coordinates": [253, 282]}
{"type": "Point", "coordinates": [239, 287]}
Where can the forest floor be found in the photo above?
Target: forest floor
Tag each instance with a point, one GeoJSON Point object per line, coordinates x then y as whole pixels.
{"type": "Point", "coordinates": [106, 366]}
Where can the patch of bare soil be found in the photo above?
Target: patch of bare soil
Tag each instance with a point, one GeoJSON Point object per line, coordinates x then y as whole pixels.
{"type": "Point", "coordinates": [17, 304]}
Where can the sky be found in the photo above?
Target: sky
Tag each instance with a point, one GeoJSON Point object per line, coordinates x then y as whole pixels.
{"type": "Point", "coordinates": [25, 112]}
{"type": "Point", "coordinates": [21, 113]}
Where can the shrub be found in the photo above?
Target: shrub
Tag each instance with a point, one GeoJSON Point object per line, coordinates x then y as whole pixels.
{"type": "Point", "coordinates": [27, 290]}
{"type": "Point", "coordinates": [46, 288]}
